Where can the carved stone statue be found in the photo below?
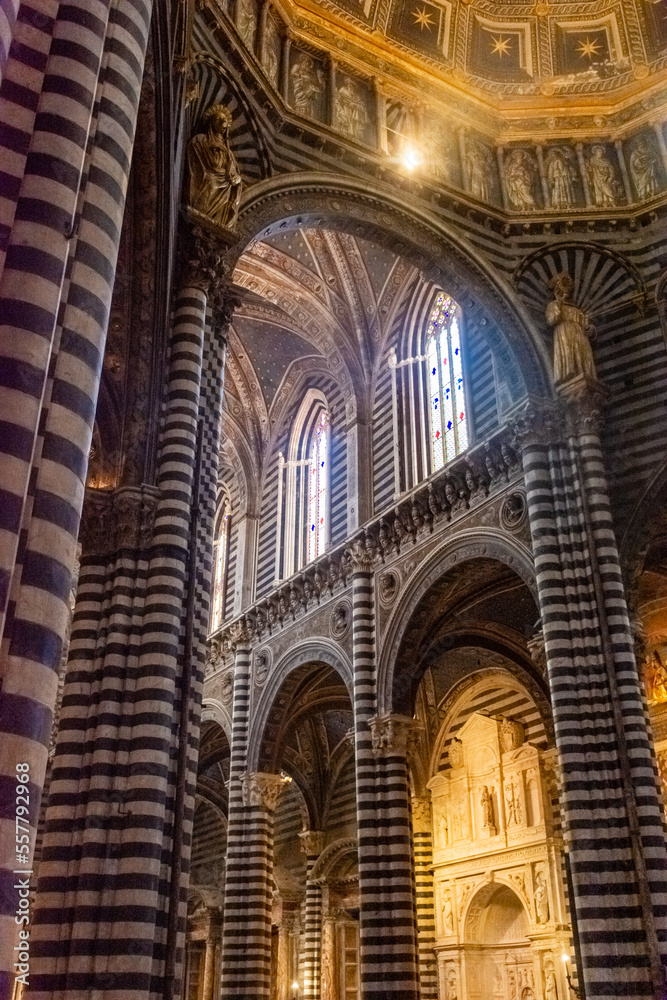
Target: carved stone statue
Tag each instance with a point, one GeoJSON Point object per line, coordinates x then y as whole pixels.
{"type": "Point", "coordinates": [488, 821]}
{"type": "Point", "coordinates": [351, 113]}
{"type": "Point", "coordinates": [215, 181]}
{"type": "Point", "coordinates": [447, 913]}
{"type": "Point", "coordinates": [307, 85]}
{"type": "Point", "coordinates": [550, 987]}
{"type": "Point", "coordinates": [520, 175]}
{"type": "Point", "coordinates": [644, 167]}
{"type": "Point", "coordinates": [560, 176]}
{"type": "Point", "coordinates": [452, 990]}
{"type": "Point", "coordinates": [573, 355]}
{"type": "Point", "coordinates": [512, 803]}
{"type": "Point", "coordinates": [604, 186]}
{"type": "Point", "coordinates": [655, 679]}
{"type": "Point", "coordinates": [541, 899]}
{"type": "Point", "coordinates": [456, 753]}
{"type": "Point", "coordinates": [478, 170]}
{"type": "Point", "coordinates": [443, 830]}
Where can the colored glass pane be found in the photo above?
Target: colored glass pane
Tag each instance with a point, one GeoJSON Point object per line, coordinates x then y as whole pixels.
{"type": "Point", "coordinates": [220, 562]}
{"type": "Point", "coordinates": [317, 494]}
{"type": "Point", "coordinates": [447, 405]}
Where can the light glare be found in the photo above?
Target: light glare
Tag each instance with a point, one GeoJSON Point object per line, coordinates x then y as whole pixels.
{"type": "Point", "coordinates": [410, 158]}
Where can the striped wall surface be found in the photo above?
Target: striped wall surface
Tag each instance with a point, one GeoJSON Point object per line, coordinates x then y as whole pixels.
{"type": "Point", "coordinates": [312, 939]}
{"type": "Point", "coordinates": [428, 966]}
{"type": "Point", "coordinates": [341, 814]}
{"type": "Point", "coordinates": [65, 157]}
{"type": "Point", "coordinates": [612, 818]}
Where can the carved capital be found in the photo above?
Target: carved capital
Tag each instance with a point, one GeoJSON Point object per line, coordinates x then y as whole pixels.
{"type": "Point", "coordinates": [134, 512]}
{"type": "Point", "coordinates": [421, 815]}
{"type": "Point", "coordinates": [537, 650]}
{"type": "Point", "coordinates": [239, 634]}
{"type": "Point", "coordinates": [203, 259]}
{"type": "Point", "coordinates": [393, 735]}
{"type": "Point", "coordinates": [361, 553]}
{"type": "Point", "coordinates": [224, 299]}
{"type": "Point", "coordinates": [261, 790]}
{"type": "Point", "coordinates": [96, 528]}
{"type": "Point", "coordinates": [312, 842]}
{"type": "Point", "coordinates": [583, 401]}
{"type": "Point", "coordinates": [535, 422]}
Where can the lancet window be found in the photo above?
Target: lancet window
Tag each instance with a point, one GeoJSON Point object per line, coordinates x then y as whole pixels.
{"type": "Point", "coordinates": [448, 419]}
{"type": "Point", "coordinates": [220, 558]}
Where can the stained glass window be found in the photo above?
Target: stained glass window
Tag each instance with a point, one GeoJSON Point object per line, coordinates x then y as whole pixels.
{"type": "Point", "coordinates": [448, 417]}
{"type": "Point", "coordinates": [220, 568]}
{"type": "Point", "coordinates": [317, 487]}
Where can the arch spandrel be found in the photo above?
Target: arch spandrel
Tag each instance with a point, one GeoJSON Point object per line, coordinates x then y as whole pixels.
{"type": "Point", "coordinates": [375, 213]}
{"type": "Point", "coordinates": [467, 547]}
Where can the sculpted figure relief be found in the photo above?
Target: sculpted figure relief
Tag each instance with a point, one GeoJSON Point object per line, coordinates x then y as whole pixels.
{"type": "Point", "coordinates": [655, 679]}
{"type": "Point", "coordinates": [247, 21]}
{"type": "Point", "coordinates": [644, 167]}
{"type": "Point", "coordinates": [573, 354]}
{"type": "Point", "coordinates": [604, 186]}
{"type": "Point", "coordinates": [520, 176]}
{"type": "Point", "coordinates": [488, 821]}
{"type": "Point", "coordinates": [541, 899]}
{"type": "Point", "coordinates": [351, 113]}
{"type": "Point", "coordinates": [447, 913]}
{"type": "Point", "coordinates": [560, 176]}
{"type": "Point", "coordinates": [478, 170]}
{"type": "Point", "coordinates": [215, 181]}
{"type": "Point", "coordinates": [307, 85]}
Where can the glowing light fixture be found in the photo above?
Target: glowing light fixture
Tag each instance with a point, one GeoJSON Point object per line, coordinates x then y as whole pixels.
{"type": "Point", "coordinates": [411, 158]}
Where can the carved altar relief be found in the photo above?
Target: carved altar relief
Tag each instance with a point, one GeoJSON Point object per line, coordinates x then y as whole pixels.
{"type": "Point", "coordinates": [500, 911]}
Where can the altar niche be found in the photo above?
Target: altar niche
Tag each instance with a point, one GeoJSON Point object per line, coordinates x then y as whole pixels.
{"type": "Point", "coordinates": [501, 920]}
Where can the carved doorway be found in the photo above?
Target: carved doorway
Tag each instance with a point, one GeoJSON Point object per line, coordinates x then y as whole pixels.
{"type": "Point", "coordinates": [348, 960]}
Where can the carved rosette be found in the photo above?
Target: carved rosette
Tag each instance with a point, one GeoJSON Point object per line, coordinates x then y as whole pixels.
{"type": "Point", "coordinates": [393, 735]}
{"type": "Point", "coordinates": [260, 790]}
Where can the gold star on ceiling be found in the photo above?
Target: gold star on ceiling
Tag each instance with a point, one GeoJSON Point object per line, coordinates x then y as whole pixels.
{"type": "Point", "coordinates": [588, 48]}
{"type": "Point", "coordinates": [423, 18]}
{"type": "Point", "coordinates": [500, 47]}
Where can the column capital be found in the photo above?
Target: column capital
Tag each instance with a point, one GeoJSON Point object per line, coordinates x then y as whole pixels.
{"type": "Point", "coordinates": [224, 300]}
{"type": "Point", "coordinates": [535, 421]}
{"type": "Point", "coordinates": [393, 735]}
{"type": "Point", "coordinates": [312, 842]}
{"type": "Point", "coordinates": [239, 634]}
{"type": "Point", "coordinates": [203, 251]}
{"type": "Point", "coordinates": [421, 814]}
{"type": "Point", "coordinates": [261, 790]}
{"type": "Point", "coordinates": [583, 401]}
{"type": "Point", "coordinates": [115, 519]}
{"type": "Point", "coordinates": [362, 553]}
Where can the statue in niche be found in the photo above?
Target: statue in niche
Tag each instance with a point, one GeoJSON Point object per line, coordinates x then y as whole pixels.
{"type": "Point", "coordinates": [573, 355]}
{"type": "Point", "coordinates": [644, 167]}
{"type": "Point", "coordinates": [447, 913]}
{"type": "Point", "coordinates": [215, 181]}
{"type": "Point", "coordinates": [541, 899]}
{"type": "Point", "coordinates": [478, 170]}
{"type": "Point", "coordinates": [351, 113]}
{"type": "Point", "coordinates": [520, 179]}
{"type": "Point", "coordinates": [460, 825]}
{"type": "Point", "coordinates": [488, 821]}
{"type": "Point", "coordinates": [246, 21]}
{"type": "Point", "coordinates": [560, 176]}
{"type": "Point", "coordinates": [550, 987]}
{"type": "Point", "coordinates": [272, 51]}
{"type": "Point", "coordinates": [655, 679]}
{"type": "Point", "coordinates": [512, 803]}
{"type": "Point", "coordinates": [307, 85]}
{"type": "Point", "coordinates": [452, 990]}
{"type": "Point", "coordinates": [443, 830]}
{"type": "Point", "coordinates": [604, 186]}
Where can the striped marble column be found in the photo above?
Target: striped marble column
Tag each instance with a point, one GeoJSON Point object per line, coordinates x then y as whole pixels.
{"type": "Point", "coordinates": [312, 842]}
{"type": "Point", "coordinates": [55, 294]}
{"type": "Point", "coordinates": [394, 901]}
{"type": "Point", "coordinates": [122, 790]}
{"type": "Point", "coordinates": [246, 940]}
{"type": "Point", "coordinates": [423, 852]}
{"type": "Point", "coordinates": [611, 814]}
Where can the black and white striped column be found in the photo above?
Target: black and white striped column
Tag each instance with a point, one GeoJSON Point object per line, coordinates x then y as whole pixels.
{"type": "Point", "coordinates": [612, 820]}
{"type": "Point", "coordinates": [246, 936]}
{"type": "Point", "coordinates": [423, 851]}
{"type": "Point", "coordinates": [68, 155]}
{"type": "Point", "coordinates": [312, 841]}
